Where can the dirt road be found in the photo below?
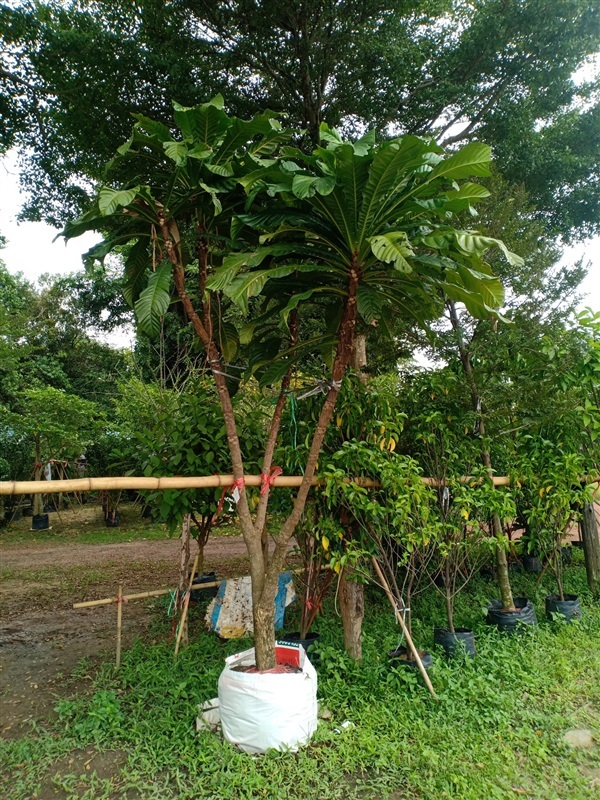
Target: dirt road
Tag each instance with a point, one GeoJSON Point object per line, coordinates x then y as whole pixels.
{"type": "Point", "coordinates": [218, 548]}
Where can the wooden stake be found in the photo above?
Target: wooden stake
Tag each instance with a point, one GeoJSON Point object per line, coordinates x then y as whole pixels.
{"type": "Point", "coordinates": [400, 618]}
{"type": "Point", "coordinates": [120, 601]}
{"type": "Point", "coordinates": [186, 603]}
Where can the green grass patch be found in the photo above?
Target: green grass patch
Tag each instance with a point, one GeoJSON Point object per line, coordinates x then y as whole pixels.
{"type": "Point", "coordinates": [494, 732]}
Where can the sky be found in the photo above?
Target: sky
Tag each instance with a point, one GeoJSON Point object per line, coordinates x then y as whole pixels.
{"type": "Point", "coordinates": [31, 248]}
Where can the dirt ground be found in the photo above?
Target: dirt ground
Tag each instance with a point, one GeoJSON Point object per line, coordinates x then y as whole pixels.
{"type": "Point", "coordinates": [43, 639]}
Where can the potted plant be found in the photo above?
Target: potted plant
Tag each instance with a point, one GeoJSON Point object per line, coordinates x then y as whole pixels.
{"type": "Point", "coordinates": [553, 495]}
{"type": "Point", "coordinates": [395, 525]}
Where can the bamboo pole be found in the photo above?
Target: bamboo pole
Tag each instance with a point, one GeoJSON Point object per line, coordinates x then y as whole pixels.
{"type": "Point", "coordinates": [400, 618]}
{"type": "Point", "coordinates": [119, 622]}
{"type": "Point", "coordinates": [186, 604]}
{"type": "Point", "coordinates": [178, 482]}
{"type": "Point", "coordinates": [107, 601]}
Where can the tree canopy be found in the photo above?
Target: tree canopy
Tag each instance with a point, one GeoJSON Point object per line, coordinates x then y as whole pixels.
{"type": "Point", "coordinates": [498, 71]}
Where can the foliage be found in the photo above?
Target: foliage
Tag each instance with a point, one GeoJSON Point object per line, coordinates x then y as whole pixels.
{"type": "Point", "coordinates": [64, 424]}
{"type": "Point", "coordinates": [500, 72]}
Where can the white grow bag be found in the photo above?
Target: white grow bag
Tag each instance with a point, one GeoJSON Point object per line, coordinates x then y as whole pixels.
{"type": "Point", "coordinates": [263, 711]}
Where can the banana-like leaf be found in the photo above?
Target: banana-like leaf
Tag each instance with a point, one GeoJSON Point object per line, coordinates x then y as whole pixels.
{"type": "Point", "coordinates": [474, 303]}
{"type": "Point", "coordinates": [229, 341]}
{"type": "Point", "coordinates": [469, 243]}
{"type": "Point", "coordinates": [392, 248]}
{"type": "Point", "coordinates": [205, 123]}
{"type": "Point", "coordinates": [109, 200]}
{"type": "Point", "coordinates": [241, 289]}
{"type": "Point", "coordinates": [472, 159]}
{"type": "Point", "coordinates": [136, 265]}
{"type": "Point", "coordinates": [490, 289]}
{"type": "Point", "coordinates": [154, 301]}
{"type": "Point", "coordinates": [155, 129]}
{"type": "Point", "coordinates": [368, 302]}
{"type": "Point", "coordinates": [233, 263]}
{"type": "Point", "coordinates": [304, 186]}
{"type": "Point", "coordinates": [176, 151]}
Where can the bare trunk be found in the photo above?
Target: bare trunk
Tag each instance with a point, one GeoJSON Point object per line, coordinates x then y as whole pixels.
{"type": "Point", "coordinates": [264, 631]}
{"type": "Point", "coordinates": [352, 607]}
{"type": "Point", "coordinates": [448, 595]}
{"type": "Point", "coordinates": [184, 567]}
{"type": "Point", "coordinates": [501, 562]}
{"type": "Point", "coordinates": [591, 547]}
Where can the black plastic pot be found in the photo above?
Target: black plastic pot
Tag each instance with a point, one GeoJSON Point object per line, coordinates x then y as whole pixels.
{"type": "Point", "coordinates": [457, 643]}
{"type": "Point", "coordinates": [531, 563]}
{"type": "Point", "coordinates": [203, 594]}
{"type": "Point", "coordinates": [28, 511]}
{"type": "Point", "coordinates": [566, 555]}
{"type": "Point", "coordinates": [40, 522]}
{"type": "Point", "coordinates": [306, 643]}
{"type": "Point", "coordinates": [400, 656]}
{"type": "Point", "coordinates": [511, 621]}
{"type": "Point", "coordinates": [569, 608]}
{"type": "Point", "coordinates": [113, 522]}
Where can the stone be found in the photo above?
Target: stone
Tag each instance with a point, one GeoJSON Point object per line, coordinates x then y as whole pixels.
{"type": "Point", "coordinates": [325, 713]}
{"type": "Point", "coordinates": [580, 738]}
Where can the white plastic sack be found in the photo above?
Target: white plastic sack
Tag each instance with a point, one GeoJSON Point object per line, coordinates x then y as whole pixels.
{"type": "Point", "coordinates": [260, 711]}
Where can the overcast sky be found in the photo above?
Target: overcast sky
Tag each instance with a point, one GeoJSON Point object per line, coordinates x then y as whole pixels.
{"type": "Point", "coordinates": [31, 250]}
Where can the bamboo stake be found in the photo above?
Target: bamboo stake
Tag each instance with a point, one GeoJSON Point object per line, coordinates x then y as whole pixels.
{"type": "Point", "coordinates": [119, 622]}
{"type": "Point", "coordinates": [199, 482]}
{"type": "Point", "coordinates": [400, 619]}
{"type": "Point", "coordinates": [107, 601]}
{"type": "Point", "coordinates": [186, 604]}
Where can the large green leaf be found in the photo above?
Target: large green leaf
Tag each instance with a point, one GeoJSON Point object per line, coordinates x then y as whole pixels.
{"type": "Point", "coordinates": [176, 151]}
{"type": "Point", "coordinates": [109, 200]}
{"type": "Point", "coordinates": [368, 302]}
{"type": "Point", "coordinates": [392, 248]}
{"type": "Point", "coordinates": [154, 301]}
{"type": "Point", "coordinates": [468, 243]}
{"type": "Point", "coordinates": [304, 186]}
{"type": "Point", "coordinates": [472, 159]}
{"type": "Point", "coordinates": [242, 288]}
{"type": "Point", "coordinates": [136, 265]}
{"type": "Point", "coordinates": [388, 171]}
{"type": "Point", "coordinates": [205, 123]}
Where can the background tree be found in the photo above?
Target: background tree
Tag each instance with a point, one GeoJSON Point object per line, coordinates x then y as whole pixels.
{"type": "Point", "coordinates": [501, 72]}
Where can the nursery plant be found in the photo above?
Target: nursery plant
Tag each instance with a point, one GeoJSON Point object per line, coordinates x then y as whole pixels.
{"type": "Point", "coordinates": [553, 495]}
{"type": "Point", "coordinates": [394, 522]}
{"type": "Point", "coordinates": [225, 210]}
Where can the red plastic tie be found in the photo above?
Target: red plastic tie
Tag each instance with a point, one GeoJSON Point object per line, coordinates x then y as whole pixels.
{"type": "Point", "coordinates": [238, 483]}
{"type": "Point", "coordinates": [267, 481]}
{"type": "Point", "coordinates": [121, 600]}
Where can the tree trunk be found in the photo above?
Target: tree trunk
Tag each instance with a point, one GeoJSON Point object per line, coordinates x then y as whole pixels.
{"type": "Point", "coordinates": [448, 595]}
{"type": "Point", "coordinates": [591, 547]}
{"type": "Point", "coordinates": [352, 606]}
{"type": "Point", "coordinates": [38, 499]}
{"type": "Point", "coordinates": [184, 566]}
{"type": "Point", "coordinates": [264, 631]}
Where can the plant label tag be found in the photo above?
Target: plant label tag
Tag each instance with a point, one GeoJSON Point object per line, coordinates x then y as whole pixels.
{"type": "Point", "coordinates": [236, 495]}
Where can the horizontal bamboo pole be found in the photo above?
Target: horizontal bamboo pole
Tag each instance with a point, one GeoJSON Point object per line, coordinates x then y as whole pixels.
{"type": "Point", "coordinates": [200, 482]}
{"type": "Point", "coordinates": [107, 601]}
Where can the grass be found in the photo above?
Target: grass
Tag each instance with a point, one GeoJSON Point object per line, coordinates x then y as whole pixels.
{"type": "Point", "coordinates": [495, 731]}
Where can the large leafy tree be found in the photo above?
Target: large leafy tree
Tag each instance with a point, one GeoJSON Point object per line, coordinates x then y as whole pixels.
{"type": "Point", "coordinates": [499, 71]}
{"type": "Point", "coordinates": [228, 211]}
